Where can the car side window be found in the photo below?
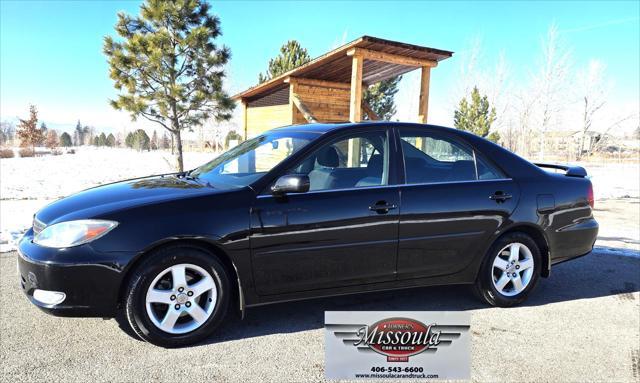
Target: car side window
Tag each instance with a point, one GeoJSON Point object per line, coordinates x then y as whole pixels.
{"type": "Point", "coordinates": [430, 158]}
{"type": "Point", "coordinates": [487, 171]}
{"type": "Point", "coordinates": [353, 161]}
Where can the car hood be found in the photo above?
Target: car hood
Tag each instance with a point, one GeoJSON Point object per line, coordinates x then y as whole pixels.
{"type": "Point", "coordinates": [108, 198]}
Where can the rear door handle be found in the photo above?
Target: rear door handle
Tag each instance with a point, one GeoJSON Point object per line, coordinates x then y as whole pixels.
{"type": "Point", "coordinates": [382, 207]}
{"type": "Point", "coordinates": [500, 196]}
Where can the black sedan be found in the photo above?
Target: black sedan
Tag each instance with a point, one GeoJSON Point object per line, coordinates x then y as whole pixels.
{"type": "Point", "coordinates": [302, 212]}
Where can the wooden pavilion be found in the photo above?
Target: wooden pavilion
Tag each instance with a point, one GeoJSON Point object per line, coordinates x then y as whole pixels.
{"type": "Point", "coordinates": [329, 88]}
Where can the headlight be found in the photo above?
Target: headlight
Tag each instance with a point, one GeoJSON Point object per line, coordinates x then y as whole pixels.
{"type": "Point", "coordinates": [73, 233]}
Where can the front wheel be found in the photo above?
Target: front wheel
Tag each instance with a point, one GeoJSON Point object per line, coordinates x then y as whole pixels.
{"type": "Point", "coordinates": [177, 296]}
{"type": "Point", "coordinates": [510, 270]}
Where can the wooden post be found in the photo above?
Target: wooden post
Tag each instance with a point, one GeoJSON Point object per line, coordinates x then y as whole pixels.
{"type": "Point", "coordinates": [244, 118]}
{"type": "Point", "coordinates": [355, 108]}
{"type": "Point", "coordinates": [292, 89]}
{"type": "Point", "coordinates": [423, 105]}
{"type": "Point", "coordinates": [355, 105]}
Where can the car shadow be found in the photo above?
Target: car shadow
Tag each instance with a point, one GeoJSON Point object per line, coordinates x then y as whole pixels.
{"type": "Point", "coordinates": [599, 274]}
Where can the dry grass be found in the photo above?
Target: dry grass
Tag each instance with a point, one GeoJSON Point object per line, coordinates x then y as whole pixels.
{"type": "Point", "coordinates": [26, 152]}
{"type": "Point", "coordinates": [6, 153]}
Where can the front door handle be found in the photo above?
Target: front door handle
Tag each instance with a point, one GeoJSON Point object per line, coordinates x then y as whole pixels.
{"type": "Point", "coordinates": [500, 196]}
{"type": "Point", "coordinates": [382, 207]}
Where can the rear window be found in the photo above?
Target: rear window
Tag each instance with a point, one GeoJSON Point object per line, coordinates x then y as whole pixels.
{"type": "Point", "coordinates": [430, 158]}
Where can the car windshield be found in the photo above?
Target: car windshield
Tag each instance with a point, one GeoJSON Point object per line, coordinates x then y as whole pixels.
{"type": "Point", "coordinates": [247, 162]}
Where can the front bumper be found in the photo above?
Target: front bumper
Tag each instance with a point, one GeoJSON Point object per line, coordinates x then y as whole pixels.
{"type": "Point", "coordinates": [89, 279]}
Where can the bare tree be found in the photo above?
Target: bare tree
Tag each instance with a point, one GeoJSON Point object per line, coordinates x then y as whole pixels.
{"type": "Point", "coordinates": [593, 96]}
{"type": "Point", "coordinates": [469, 74]}
{"type": "Point", "coordinates": [7, 132]}
{"type": "Point", "coordinates": [509, 136]}
{"type": "Point", "coordinates": [89, 134]}
{"type": "Point", "coordinates": [494, 82]}
{"type": "Point", "coordinates": [52, 141]}
{"type": "Point", "coordinates": [524, 114]}
{"type": "Point", "coordinates": [551, 82]}
{"type": "Point", "coordinates": [605, 136]}
{"type": "Point", "coordinates": [500, 96]}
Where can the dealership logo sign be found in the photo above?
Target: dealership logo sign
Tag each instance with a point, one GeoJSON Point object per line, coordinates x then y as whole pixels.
{"type": "Point", "coordinates": [397, 345]}
{"type": "Point", "coordinates": [398, 338]}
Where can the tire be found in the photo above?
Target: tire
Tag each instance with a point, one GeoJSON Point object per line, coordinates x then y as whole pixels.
{"type": "Point", "coordinates": [174, 315]}
{"type": "Point", "coordinates": [491, 285]}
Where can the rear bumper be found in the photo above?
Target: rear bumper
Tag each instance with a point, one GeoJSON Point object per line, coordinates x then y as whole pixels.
{"type": "Point", "coordinates": [574, 241]}
{"type": "Point", "coordinates": [90, 283]}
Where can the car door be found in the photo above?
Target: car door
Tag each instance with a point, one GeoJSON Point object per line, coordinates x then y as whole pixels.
{"type": "Point", "coordinates": [453, 200]}
{"type": "Point", "coordinates": [343, 231]}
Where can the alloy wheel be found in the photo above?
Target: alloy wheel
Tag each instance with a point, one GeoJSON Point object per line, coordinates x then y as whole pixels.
{"type": "Point", "coordinates": [181, 298]}
{"type": "Point", "coordinates": [512, 269]}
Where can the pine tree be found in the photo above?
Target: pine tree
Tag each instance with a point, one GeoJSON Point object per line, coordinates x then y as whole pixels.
{"type": "Point", "coordinates": [102, 139]}
{"type": "Point", "coordinates": [65, 140]}
{"type": "Point", "coordinates": [43, 128]}
{"type": "Point", "coordinates": [168, 66]}
{"type": "Point", "coordinates": [78, 135]}
{"type": "Point", "coordinates": [111, 140]}
{"type": "Point", "coordinates": [154, 141]}
{"type": "Point", "coordinates": [166, 144]}
{"type": "Point", "coordinates": [380, 97]}
{"type": "Point", "coordinates": [28, 131]}
{"type": "Point", "coordinates": [476, 117]}
{"type": "Point", "coordinates": [128, 141]}
{"type": "Point", "coordinates": [141, 140]}
{"type": "Point", "coordinates": [291, 56]}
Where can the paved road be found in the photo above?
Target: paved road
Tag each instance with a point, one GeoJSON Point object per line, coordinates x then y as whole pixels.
{"type": "Point", "coordinates": [582, 324]}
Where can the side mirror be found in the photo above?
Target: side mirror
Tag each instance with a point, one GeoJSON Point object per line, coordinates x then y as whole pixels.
{"type": "Point", "coordinates": [291, 183]}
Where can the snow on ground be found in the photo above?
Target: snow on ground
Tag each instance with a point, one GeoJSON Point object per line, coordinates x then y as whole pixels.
{"type": "Point", "coordinates": [58, 176]}
{"type": "Point", "coordinates": [15, 219]}
{"type": "Point", "coordinates": [614, 180]}
{"type": "Point", "coordinates": [27, 184]}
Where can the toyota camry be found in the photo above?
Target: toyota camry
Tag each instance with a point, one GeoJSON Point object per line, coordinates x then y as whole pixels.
{"type": "Point", "coordinates": [302, 212]}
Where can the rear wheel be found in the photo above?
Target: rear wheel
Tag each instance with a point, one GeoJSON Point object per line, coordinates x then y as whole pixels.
{"type": "Point", "coordinates": [510, 270]}
{"type": "Point", "coordinates": [177, 296]}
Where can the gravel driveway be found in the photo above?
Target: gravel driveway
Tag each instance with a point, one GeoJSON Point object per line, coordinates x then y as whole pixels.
{"type": "Point", "coordinates": [582, 324]}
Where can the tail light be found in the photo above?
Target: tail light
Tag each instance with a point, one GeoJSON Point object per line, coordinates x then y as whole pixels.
{"type": "Point", "coordinates": [590, 198]}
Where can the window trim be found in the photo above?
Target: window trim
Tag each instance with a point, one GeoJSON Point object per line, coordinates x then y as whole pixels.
{"type": "Point", "coordinates": [311, 192]}
{"type": "Point", "coordinates": [457, 182]}
{"type": "Point", "coordinates": [491, 163]}
{"type": "Point", "coordinates": [396, 186]}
